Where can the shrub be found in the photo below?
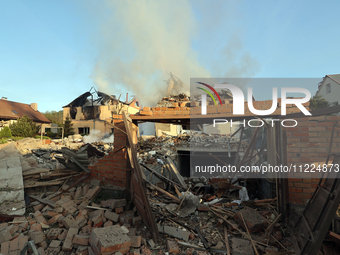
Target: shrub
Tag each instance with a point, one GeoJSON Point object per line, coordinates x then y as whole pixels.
{"type": "Point", "coordinates": [24, 127]}
{"type": "Point", "coordinates": [5, 132]}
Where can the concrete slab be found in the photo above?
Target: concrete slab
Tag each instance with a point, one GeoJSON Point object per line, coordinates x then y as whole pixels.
{"type": "Point", "coordinates": [175, 232]}
{"type": "Point", "coordinates": [11, 182]}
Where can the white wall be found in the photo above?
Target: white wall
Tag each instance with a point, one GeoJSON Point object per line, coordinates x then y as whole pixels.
{"type": "Point", "coordinates": [335, 91]}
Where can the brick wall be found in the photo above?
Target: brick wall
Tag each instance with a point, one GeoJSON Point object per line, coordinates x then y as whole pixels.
{"type": "Point", "coordinates": [308, 142]}
{"type": "Point", "coordinates": [194, 108]}
{"type": "Point", "coordinates": [111, 169]}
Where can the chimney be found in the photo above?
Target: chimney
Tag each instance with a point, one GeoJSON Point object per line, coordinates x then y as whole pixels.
{"type": "Point", "coordinates": [34, 106]}
{"type": "Point", "coordinates": [4, 98]}
{"type": "Point", "coordinates": [127, 97]}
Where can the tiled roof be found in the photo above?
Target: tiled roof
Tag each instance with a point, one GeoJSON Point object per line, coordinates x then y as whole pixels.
{"type": "Point", "coordinates": [13, 110]}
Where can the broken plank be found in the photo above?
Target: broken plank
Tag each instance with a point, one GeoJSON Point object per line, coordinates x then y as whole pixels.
{"type": "Point", "coordinates": [334, 237]}
{"type": "Point", "coordinates": [164, 192]}
{"type": "Point", "coordinates": [175, 171]}
{"type": "Point", "coordinates": [161, 177]}
{"type": "Point", "coordinates": [40, 184]}
{"type": "Point", "coordinates": [249, 236]}
{"type": "Point", "coordinates": [44, 201]}
{"type": "Point", "coordinates": [34, 171]}
{"type": "Point", "coordinates": [226, 240]}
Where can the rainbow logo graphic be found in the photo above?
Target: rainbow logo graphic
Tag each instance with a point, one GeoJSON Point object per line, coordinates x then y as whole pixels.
{"type": "Point", "coordinates": [209, 93]}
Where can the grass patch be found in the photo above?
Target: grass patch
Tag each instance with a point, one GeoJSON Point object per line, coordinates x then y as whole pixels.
{"type": "Point", "coordinates": [39, 137]}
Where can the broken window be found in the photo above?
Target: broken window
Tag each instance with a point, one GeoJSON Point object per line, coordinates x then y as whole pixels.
{"type": "Point", "coordinates": [84, 130]}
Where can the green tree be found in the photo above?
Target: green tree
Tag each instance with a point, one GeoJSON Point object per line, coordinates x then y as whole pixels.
{"type": "Point", "coordinates": [24, 127]}
{"type": "Point", "coordinates": [68, 127]}
{"type": "Point", "coordinates": [55, 117]}
{"type": "Point", "coordinates": [5, 133]}
{"type": "Point", "coordinates": [318, 102]}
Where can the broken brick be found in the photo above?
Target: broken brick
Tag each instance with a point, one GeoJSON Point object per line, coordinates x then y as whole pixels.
{"type": "Point", "coordinates": [86, 230]}
{"type": "Point", "coordinates": [81, 221]}
{"type": "Point", "coordinates": [63, 235]}
{"type": "Point", "coordinates": [70, 222]}
{"type": "Point", "coordinates": [119, 210]}
{"type": "Point", "coordinates": [108, 223]}
{"type": "Point", "coordinates": [53, 233]}
{"type": "Point", "coordinates": [111, 216]}
{"type": "Point", "coordinates": [82, 250]}
{"type": "Point", "coordinates": [68, 244]}
{"type": "Point", "coordinates": [254, 220]}
{"type": "Point", "coordinates": [5, 248]}
{"type": "Point", "coordinates": [132, 232]}
{"type": "Point", "coordinates": [38, 207]}
{"type": "Point", "coordinates": [12, 229]}
{"type": "Point", "coordinates": [43, 244]}
{"type": "Point", "coordinates": [136, 241]}
{"type": "Point", "coordinates": [5, 235]}
{"type": "Point", "coordinates": [172, 246]}
{"type": "Point", "coordinates": [81, 240]}
{"type": "Point", "coordinates": [136, 221]}
{"type": "Point", "coordinates": [109, 239]}
{"type": "Point", "coordinates": [92, 192]}
{"type": "Point", "coordinates": [41, 251]}
{"type": "Point", "coordinates": [54, 219]}
{"type": "Point", "coordinates": [96, 216]}
{"type": "Point", "coordinates": [36, 227]}
{"type": "Point", "coordinates": [55, 244]}
{"type": "Point", "coordinates": [36, 236]}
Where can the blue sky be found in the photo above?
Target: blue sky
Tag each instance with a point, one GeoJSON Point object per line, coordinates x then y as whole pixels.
{"type": "Point", "coordinates": [53, 51]}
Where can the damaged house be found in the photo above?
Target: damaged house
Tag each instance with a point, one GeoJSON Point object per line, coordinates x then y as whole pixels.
{"type": "Point", "coordinates": [11, 111]}
{"type": "Point", "coordinates": [329, 88]}
{"type": "Point", "coordinates": [98, 111]}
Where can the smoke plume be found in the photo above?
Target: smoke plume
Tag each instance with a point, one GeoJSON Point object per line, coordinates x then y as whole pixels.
{"type": "Point", "coordinates": [141, 42]}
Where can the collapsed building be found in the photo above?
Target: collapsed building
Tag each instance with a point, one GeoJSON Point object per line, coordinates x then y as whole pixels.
{"type": "Point", "coordinates": [138, 198]}
{"type": "Point", "coordinates": [95, 110]}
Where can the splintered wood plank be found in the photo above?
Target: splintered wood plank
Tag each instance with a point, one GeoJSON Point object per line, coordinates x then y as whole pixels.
{"type": "Point", "coordinates": [138, 187]}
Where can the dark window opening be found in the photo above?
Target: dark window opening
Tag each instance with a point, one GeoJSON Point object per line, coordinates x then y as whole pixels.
{"type": "Point", "coordinates": [84, 130]}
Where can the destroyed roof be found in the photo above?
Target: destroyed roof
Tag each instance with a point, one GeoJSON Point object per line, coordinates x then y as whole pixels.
{"type": "Point", "coordinates": [102, 99]}
{"type": "Point", "coordinates": [79, 101]}
{"type": "Point", "coordinates": [13, 110]}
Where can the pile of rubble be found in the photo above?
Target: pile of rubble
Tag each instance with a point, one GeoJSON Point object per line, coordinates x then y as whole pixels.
{"type": "Point", "coordinates": [180, 100]}
{"type": "Point", "coordinates": [74, 221]}
{"type": "Point", "coordinates": [64, 222]}
{"type": "Point", "coordinates": [72, 142]}
{"type": "Point", "coordinates": [200, 221]}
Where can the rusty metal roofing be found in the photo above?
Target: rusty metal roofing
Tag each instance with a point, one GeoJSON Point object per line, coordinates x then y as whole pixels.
{"type": "Point", "coordinates": [12, 110]}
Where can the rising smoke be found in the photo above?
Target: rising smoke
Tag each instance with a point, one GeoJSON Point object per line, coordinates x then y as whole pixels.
{"type": "Point", "coordinates": [98, 136]}
{"type": "Point", "coordinates": [140, 42]}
